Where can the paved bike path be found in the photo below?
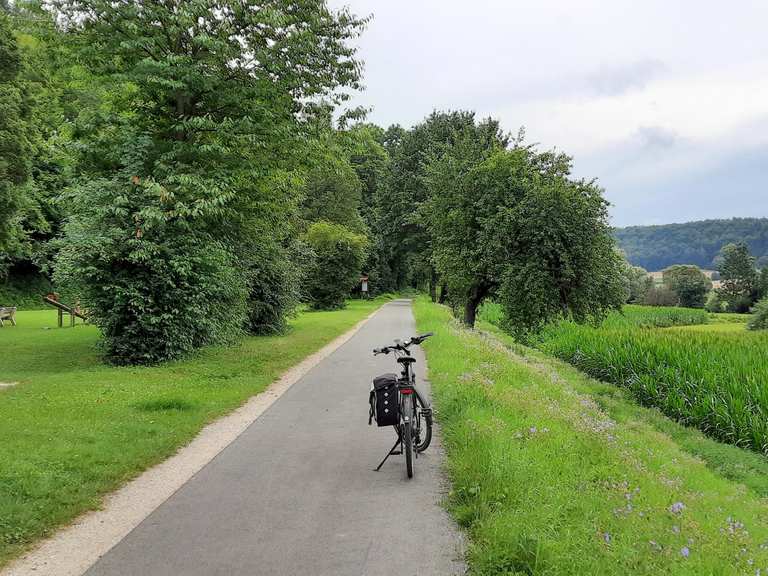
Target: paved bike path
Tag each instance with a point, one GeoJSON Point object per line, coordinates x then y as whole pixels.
{"type": "Point", "coordinates": [296, 493]}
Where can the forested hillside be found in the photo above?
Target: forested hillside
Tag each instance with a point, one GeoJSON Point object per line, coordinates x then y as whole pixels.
{"type": "Point", "coordinates": [656, 247]}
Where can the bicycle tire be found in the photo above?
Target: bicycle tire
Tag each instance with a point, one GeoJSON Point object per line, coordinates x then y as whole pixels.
{"type": "Point", "coordinates": [425, 430]}
{"type": "Point", "coordinates": [408, 436]}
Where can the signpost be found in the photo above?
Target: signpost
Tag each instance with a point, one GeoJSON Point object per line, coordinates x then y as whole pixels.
{"type": "Point", "coordinates": [363, 286]}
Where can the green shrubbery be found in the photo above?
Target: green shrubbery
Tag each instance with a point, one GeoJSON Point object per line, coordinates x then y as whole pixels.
{"type": "Point", "coordinates": [759, 320]}
{"type": "Point", "coordinates": [339, 254]}
{"type": "Point", "coordinates": [157, 289]}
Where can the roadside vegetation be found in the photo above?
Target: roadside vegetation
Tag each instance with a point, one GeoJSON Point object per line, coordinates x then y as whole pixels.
{"type": "Point", "coordinates": [74, 429]}
{"type": "Point", "coordinates": [711, 376]}
{"type": "Point", "coordinates": [556, 473]}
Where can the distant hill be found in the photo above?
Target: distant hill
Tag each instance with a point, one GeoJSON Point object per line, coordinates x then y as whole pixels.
{"type": "Point", "coordinates": [656, 247]}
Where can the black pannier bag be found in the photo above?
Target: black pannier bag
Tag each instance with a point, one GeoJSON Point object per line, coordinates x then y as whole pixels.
{"type": "Point", "coordinates": [383, 400]}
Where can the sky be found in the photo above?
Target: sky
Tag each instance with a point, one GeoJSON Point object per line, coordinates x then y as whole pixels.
{"type": "Point", "coordinates": [665, 103]}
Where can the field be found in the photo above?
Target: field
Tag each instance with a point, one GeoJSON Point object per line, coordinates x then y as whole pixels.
{"type": "Point", "coordinates": [714, 377]}
{"type": "Point", "coordinates": [74, 429]}
{"type": "Point", "coordinates": [701, 369]}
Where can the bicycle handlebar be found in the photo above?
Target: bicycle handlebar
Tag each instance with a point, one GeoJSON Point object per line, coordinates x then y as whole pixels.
{"type": "Point", "coordinates": [403, 345]}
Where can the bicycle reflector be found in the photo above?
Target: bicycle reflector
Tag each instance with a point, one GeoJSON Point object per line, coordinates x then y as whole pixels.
{"type": "Point", "coordinates": [406, 391]}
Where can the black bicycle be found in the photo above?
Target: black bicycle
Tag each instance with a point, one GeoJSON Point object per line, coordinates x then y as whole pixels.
{"type": "Point", "coordinates": [413, 422]}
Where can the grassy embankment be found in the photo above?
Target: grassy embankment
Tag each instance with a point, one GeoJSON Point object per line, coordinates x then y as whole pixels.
{"type": "Point", "coordinates": [557, 473]}
{"type": "Point", "coordinates": [73, 429]}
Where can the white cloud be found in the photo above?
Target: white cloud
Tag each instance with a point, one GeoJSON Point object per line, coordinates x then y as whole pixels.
{"type": "Point", "coordinates": [645, 95]}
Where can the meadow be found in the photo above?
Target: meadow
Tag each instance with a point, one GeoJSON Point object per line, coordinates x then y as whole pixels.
{"type": "Point", "coordinates": [703, 370]}
{"type": "Point", "coordinates": [554, 472]}
{"type": "Point", "coordinates": [73, 428]}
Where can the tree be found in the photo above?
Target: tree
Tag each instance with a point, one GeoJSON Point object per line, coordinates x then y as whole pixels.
{"type": "Point", "coordinates": [637, 282]}
{"type": "Point", "coordinates": [15, 143]}
{"type": "Point", "coordinates": [404, 198]}
{"type": "Point", "coordinates": [689, 283]}
{"type": "Point", "coordinates": [339, 254]}
{"type": "Point", "coordinates": [762, 284]}
{"type": "Point", "coordinates": [210, 103]}
{"type": "Point", "coordinates": [738, 277]}
{"type": "Point", "coordinates": [516, 227]}
{"type": "Point", "coordinates": [759, 320]}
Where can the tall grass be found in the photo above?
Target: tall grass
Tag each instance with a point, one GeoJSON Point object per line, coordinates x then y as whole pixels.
{"type": "Point", "coordinates": [715, 380]}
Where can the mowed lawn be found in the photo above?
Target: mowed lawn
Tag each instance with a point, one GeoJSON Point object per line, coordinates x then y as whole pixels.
{"type": "Point", "coordinates": [73, 428]}
{"type": "Point", "coordinates": [554, 473]}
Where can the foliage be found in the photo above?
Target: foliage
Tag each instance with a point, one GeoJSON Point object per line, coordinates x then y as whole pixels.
{"type": "Point", "coordinates": [514, 226]}
{"type": "Point", "coordinates": [759, 320]}
{"type": "Point", "coordinates": [738, 277]}
{"type": "Point", "coordinates": [660, 296]}
{"type": "Point", "coordinates": [339, 254]}
{"type": "Point", "coordinates": [404, 207]}
{"type": "Point", "coordinates": [157, 288]}
{"type": "Point", "coordinates": [711, 378]}
{"type": "Point", "coordinates": [89, 426]}
{"type": "Point", "coordinates": [637, 282]}
{"type": "Point", "coordinates": [698, 243]}
{"type": "Point", "coordinates": [714, 304]}
{"type": "Point", "coordinates": [208, 112]}
{"type": "Point", "coordinates": [762, 284]}
{"type": "Point", "coordinates": [689, 283]}
{"type": "Point", "coordinates": [555, 473]}
{"type": "Point", "coordinates": [15, 142]}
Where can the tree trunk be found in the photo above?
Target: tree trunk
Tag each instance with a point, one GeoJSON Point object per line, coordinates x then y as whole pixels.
{"type": "Point", "coordinates": [476, 296]}
{"type": "Point", "coordinates": [433, 285]}
{"type": "Point", "coordinates": [443, 294]}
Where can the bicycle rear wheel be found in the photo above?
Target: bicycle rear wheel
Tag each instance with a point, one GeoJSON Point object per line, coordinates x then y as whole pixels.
{"type": "Point", "coordinates": [408, 435]}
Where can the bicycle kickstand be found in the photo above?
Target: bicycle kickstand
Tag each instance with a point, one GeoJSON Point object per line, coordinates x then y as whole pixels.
{"type": "Point", "coordinates": [390, 453]}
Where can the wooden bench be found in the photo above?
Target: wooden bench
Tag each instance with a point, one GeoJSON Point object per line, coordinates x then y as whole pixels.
{"type": "Point", "coordinates": [7, 313]}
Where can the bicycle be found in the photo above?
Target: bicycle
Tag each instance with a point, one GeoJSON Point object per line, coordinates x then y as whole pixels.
{"type": "Point", "coordinates": [414, 426]}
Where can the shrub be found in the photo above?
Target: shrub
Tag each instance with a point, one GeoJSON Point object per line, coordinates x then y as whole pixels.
{"type": "Point", "coordinates": [714, 303]}
{"type": "Point", "coordinates": [339, 255]}
{"type": "Point", "coordinates": [660, 296]}
{"type": "Point", "coordinates": [759, 320]}
{"type": "Point", "coordinates": [156, 285]}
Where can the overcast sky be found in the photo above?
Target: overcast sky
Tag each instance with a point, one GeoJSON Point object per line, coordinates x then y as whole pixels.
{"type": "Point", "coordinates": [664, 102]}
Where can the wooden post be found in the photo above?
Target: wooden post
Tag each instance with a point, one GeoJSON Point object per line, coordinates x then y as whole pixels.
{"type": "Point", "coordinates": [72, 318]}
{"type": "Point", "coordinates": [61, 318]}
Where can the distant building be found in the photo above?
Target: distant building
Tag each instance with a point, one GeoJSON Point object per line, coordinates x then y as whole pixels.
{"type": "Point", "coordinates": [658, 277]}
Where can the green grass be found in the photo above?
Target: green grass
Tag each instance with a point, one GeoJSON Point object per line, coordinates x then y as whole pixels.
{"type": "Point", "coordinates": [74, 429]}
{"type": "Point", "coordinates": [556, 473]}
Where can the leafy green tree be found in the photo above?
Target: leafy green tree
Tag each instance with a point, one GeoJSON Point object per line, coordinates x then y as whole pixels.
{"type": "Point", "coordinates": [339, 255]}
{"type": "Point", "coordinates": [689, 283]}
{"type": "Point", "coordinates": [15, 142]}
{"type": "Point", "coordinates": [762, 284]}
{"type": "Point", "coordinates": [404, 213]}
{"type": "Point", "coordinates": [759, 320]}
{"type": "Point", "coordinates": [209, 101]}
{"type": "Point", "coordinates": [637, 282]}
{"type": "Point", "coordinates": [738, 277]}
{"type": "Point", "coordinates": [514, 226]}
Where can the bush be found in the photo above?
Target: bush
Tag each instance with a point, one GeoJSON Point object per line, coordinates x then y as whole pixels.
{"type": "Point", "coordinates": [339, 255]}
{"type": "Point", "coordinates": [660, 296]}
{"type": "Point", "coordinates": [272, 290]}
{"type": "Point", "coordinates": [714, 303]}
{"type": "Point", "coordinates": [759, 320]}
{"type": "Point", "coordinates": [155, 285]}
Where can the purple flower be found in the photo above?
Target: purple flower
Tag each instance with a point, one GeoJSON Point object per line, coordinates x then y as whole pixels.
{"type": "Point", "coordinates": [677, 507]}
{"type": "Point", "coordinates": [684, 552]}
{"type": "Point", "coordinates": [607, 538]}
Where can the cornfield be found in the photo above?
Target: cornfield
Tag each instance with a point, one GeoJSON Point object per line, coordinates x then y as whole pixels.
{"type": "Point", "coordinates": [713, 379]}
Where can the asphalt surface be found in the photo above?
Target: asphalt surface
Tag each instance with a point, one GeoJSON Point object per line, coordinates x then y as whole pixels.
{"type": "Point", "coordinates": [296, 493]}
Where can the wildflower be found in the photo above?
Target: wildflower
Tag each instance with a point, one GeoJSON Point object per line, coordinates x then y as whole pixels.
{"type": "Point", "coordinates": [607, 538]}
{"type": "Point", "coordinates": [677, 507]}
{"type": "Point", "coordinates": [684, 552]}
